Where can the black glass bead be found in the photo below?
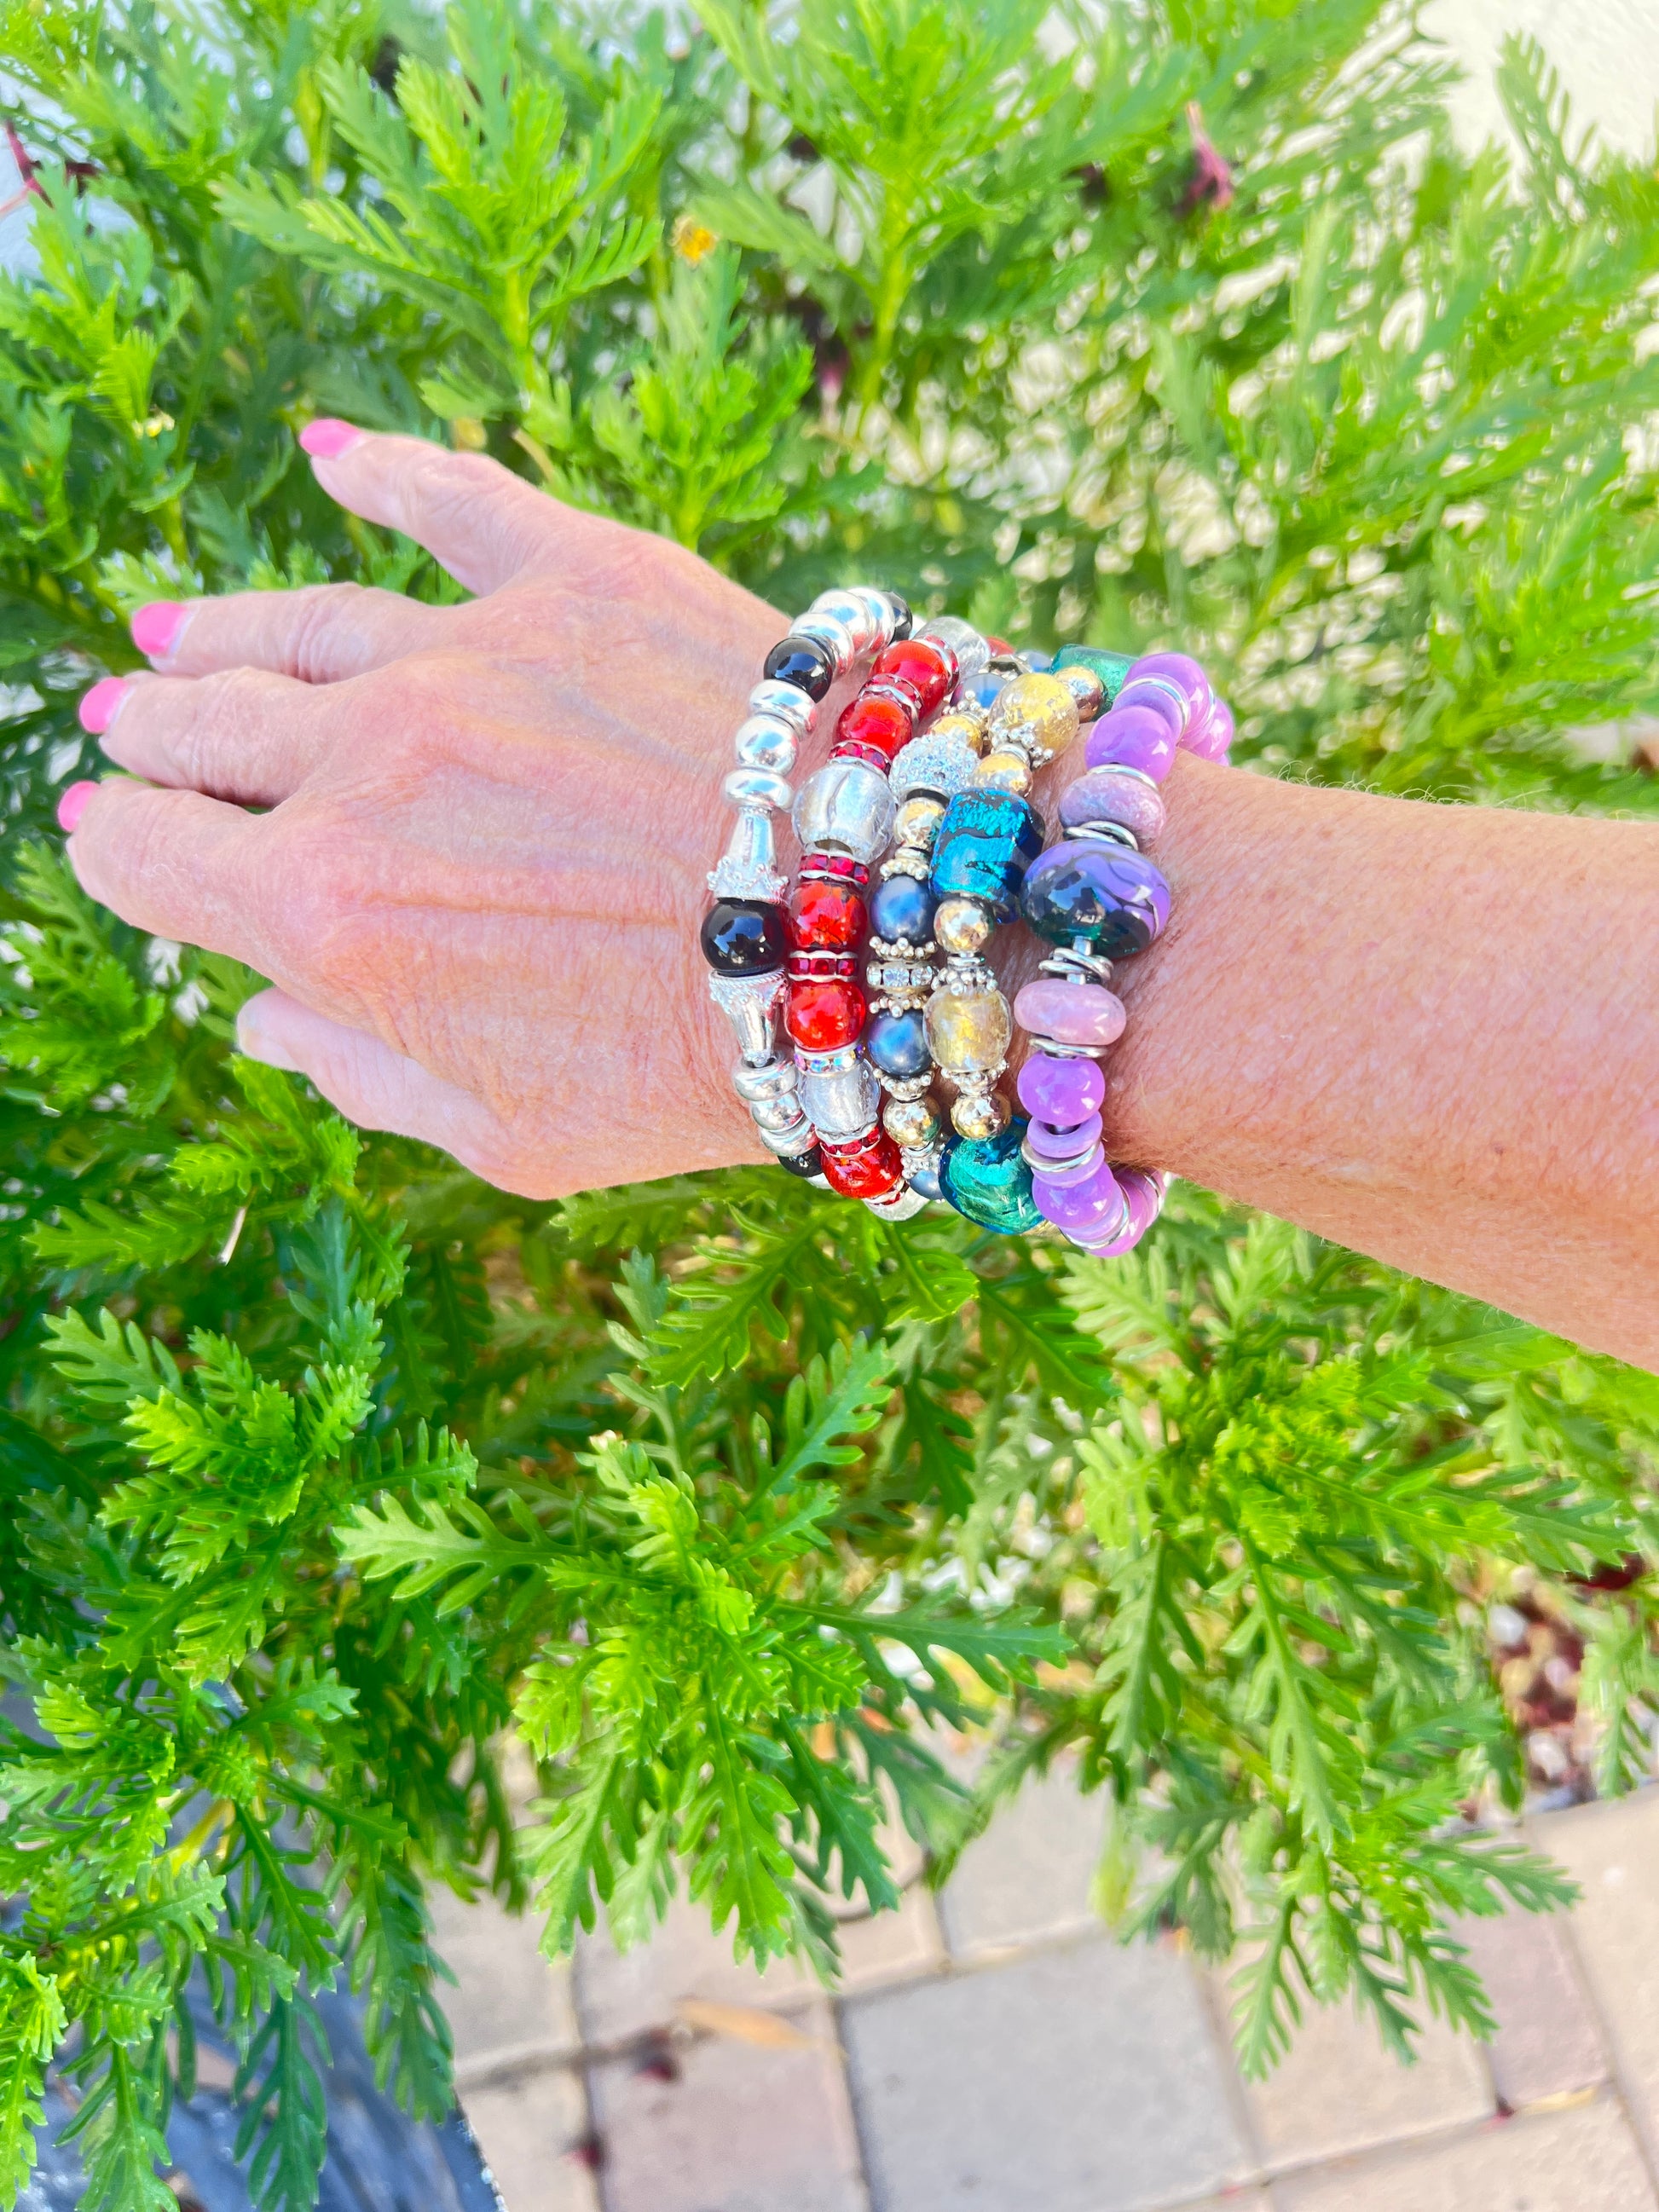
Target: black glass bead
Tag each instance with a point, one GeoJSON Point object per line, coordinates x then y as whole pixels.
{"type": "Point", "coordinates": [803, 662]}
{"type": "Point", "coordinates": [897, 1043]}
{"type": "Point", "coordinates": [743, 937]}
{"type": "Point", "coordinates": [907, 620]}
{"type": "Point", "coordinates": [805, 1164]}
{"type": "Point", "coordinates": [902, 911]}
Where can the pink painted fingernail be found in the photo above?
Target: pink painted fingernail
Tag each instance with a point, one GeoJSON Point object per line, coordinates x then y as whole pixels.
{"type": "Point", "coordinates": [72, 805]}
{"type": "Point", "coordinates": [328, 436]}
{"type": "Point", "coordinates": [103, 703]}
{"type": "Point", "coordinates": [155, 628]}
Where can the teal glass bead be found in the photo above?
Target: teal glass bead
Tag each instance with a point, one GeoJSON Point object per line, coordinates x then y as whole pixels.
{"type": "Point", "coordinates": [986, 1179]}
{"type": "Point", "coordinates": [1112, 668]}
{"type": "Point", "coordinates": [986, 842]}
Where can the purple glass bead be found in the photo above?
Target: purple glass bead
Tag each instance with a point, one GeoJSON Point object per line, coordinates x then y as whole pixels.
{"type": "Point", "coordinates": [1062, 1144]}
{"type": "Point", "coordinates": [1102, 896]}
{"type": "Point", "coordinates": [1134, 736]}
{"type": "Point", "coordinates": [1159, 697]}
{"type": "Point", "coordinates": [1181, 670]}
{"type": "Point", "coordinates": [1062, 1092]}
{"type": "Point", "coordinates": [1142, 1198]}
{"type": "Point", "coordinates": [1212, 738]}
{"type": "Point", "coordinates": [1103, 795]}
{"type": "Point", "coordinates": [1095, 1204]}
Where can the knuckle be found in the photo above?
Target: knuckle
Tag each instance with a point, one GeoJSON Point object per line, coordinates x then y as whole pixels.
{"type": "Point", "coordinates": [318, 613]}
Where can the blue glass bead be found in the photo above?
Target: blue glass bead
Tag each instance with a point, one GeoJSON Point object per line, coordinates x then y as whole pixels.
{"type": "Point", "coordinates": [926, 1181]}
{"type": "Point", "coordinates": [1108, 899]}
{"type": "Point", "coordinates": [986, 1179]}
{"type": "Point", "coordinates": [1039, 663]}
{"type": "Point", "coordinates": [897, 1043]}
{"type": "Point", "coordinates": [903, 909]}
{"type": "Point", "coordinates": [985, 689]}
{"type": "Point", "coordinates": [986, 842]}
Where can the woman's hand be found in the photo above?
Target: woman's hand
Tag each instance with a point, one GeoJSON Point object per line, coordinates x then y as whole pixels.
{"type": "Point", "coordinates": [477, 885]}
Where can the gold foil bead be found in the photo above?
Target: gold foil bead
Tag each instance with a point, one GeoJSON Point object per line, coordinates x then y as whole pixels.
{"type": "Point", "coordinates": [969, 1032]}
{"type": "Point", "coordinates": [970, 728]}
{"type": "Point", "coordinates": [917, 820]}
{"type": "Point", "coordinates": [979, 1114]}
{"type": "Point", "coordinates": [910, 1122]}
{"type": "Point", "coordinates": [1005, 771]}
{"type": "Point", "coordinates": [1036, 713]}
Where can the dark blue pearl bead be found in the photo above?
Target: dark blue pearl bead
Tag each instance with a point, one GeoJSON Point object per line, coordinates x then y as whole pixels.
{"type": "Point", "coordinates": [803, 662]}
{"type": "Point", "coordinates": [926, 1181]}
{"type": "Point", "coordinates": [743, 937]}
{"type": "Point", "coordinates": [1110, 900]}
{"type": "Point", "coordinates": [897, 1043]}
{"type": "Point", "coordinates": [903, 909]}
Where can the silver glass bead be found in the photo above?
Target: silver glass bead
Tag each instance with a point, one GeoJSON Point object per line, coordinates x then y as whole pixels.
{"type": "Point", "coordinates": [850, 609]}
{"type": "Point", "coordinates": [787, 702]}
{"type": "Point", "coordinates": [932, 766]}
{"type": "Point", "coordinates": [773, 1078]}
{"type": "Point", "coordinates": [841, 1102]}
{"type": "Point", "coordinates": [972, 654]}
{"type": "Point", "coordinates": [748, 867]}
{"type": "Point", "coordinates": [764, 742]}
{"type": "Point", "coordinates": [834, 636]}
{"type": "Point", "coordinates": [757, 786]}
{"type": "Point", "coordinates": [748, 1003]}
{"type": "Point", "coordinates": [903, 1203]}
{"type": "Point", "coordinates": [844, 807]}
{"type": "Point", "coordinates": [789, 1144]}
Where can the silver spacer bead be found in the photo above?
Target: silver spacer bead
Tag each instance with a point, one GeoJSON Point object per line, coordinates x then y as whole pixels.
{"type": "Point", "coordinates": [758, 786]}
{"type": "Point", "coordinates": [775, 1113]}
{"type": "Point", "coordinates": [765, 741]}
{"type": "Point", "coordinates": [850, 609]}
{"type": "Point", "coordinates": [1057, 1050]}
{"type": "Point", "coordinates": [901, 948]}
{"type": "Point", "coordinates": [1122, 767]}
{"type": "Point", "coordinates": [908, 860]}
{"type": "Point", "coordinates": [787, 702]}
{"type": "Point", "coordinates": [789, 1144]}
{"type": "Point", "coordinates": [904, 976]}
{"type": "Point", "coordinates": [772, 1078]}
{"type": "Point", "coordinates": [882, 613]}
{"type": "Point", "coordinates": [748, 1003]}
{"type": "Point", "coordinates": [901, 1207]}
{"type": "Point", "coordinates": [1080, 1158]}
{"type": "Point", "coordinates": [906, 1086]}
{"type": "Point", "coordinates": [1071, 965]}
{"type": "Point", "coordinates": [834, 636]}
{"type": "Point", "coordinates": [1103, 833]}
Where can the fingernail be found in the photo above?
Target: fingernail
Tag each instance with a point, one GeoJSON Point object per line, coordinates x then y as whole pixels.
{"type": "Point", "coordinates": [328, 436]}
{"type": "Point", "coordinates": [72, 805]}
{"type": "Point", "coordinates": [103, 703]}
{"type": "Point", "coordinates": [253, 1046]}
{"type": "Point", "coordinates": [155, 628]}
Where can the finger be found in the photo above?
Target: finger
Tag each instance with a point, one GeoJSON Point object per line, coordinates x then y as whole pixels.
{"type": "Point", "coordinates": [320, 634]}
{"type": "Point", "coordinates": [245, 735]}
{"type": "Point", "coordinates": [485, 525]}
{"type": "Point", "coordinates": [375, 1087]}
{"type": "Point", "coordinates": [171, 862]}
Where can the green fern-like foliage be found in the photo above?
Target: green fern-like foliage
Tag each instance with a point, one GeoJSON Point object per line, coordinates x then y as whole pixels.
{"type": "Point", "coordinates": [329, 1470]}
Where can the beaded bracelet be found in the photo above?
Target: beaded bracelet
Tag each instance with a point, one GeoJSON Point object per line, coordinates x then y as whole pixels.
{"type": "Point", "coordinates": [1095, 898]}
{"type": "Point", "coordinates": [744, 935]}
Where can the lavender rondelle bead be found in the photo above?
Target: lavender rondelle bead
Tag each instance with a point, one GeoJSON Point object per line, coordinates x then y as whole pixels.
{"type": "Point", "coordinates": [1181, 670]}
{"type": "Point", "coordinates": [1214, 734]}
{"type": "Point", "coordinates": [1062, 1092]}
{"type": "Point", "coordinates": [1144, 1199]}
{"type": "Point", "coordinates": [1103, 795]}
{"type": "Point", "coordinates": [1156, 695]}
{"type": "Point", "coordinates": [1062, 1144]}
{"type": "Point", "coordinates": [1134, 736]}
{"type": "Point", "coordinates": [1096, 1204]}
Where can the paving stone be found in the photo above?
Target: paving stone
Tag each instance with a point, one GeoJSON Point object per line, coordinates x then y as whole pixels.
{"type": "Point", "coordinates": [1339, 2090]}
{"type": "Point", "coordinates": [528, 2129]}
{"type": "Point", "coordinates": [742, 2128]}
{"type": "Point", "coordinates": [1080, 2079]}
{"type": "Point", "coordinates": [629, 1993]}
{"type": "Point", "coordinates": [886, 1947]}
{"type": "Point", "coordinates": [1613, 1851]}
{"type": "Point", "coordinates": [509, 2002]}
{"type": "Point", "coordinates": [1028, 1876]}
{"type": "Point", "coordinates": [1580, 2160]}
{"type": "Point", "coordinates": [1547, 2043]}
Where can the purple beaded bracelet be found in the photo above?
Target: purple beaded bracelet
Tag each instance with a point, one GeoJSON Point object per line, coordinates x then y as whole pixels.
{"type": "Point", "coordinates": [1096, 898]}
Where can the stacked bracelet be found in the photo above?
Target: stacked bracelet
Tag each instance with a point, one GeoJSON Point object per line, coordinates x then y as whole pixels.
{"type": "Point", "coordinates": [745, 934]}
{"type": "Point", "coordinates": [1096, 898]}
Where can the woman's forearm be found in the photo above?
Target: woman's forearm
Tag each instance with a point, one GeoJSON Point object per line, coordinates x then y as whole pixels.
{"type": "Point", "coordinates": [1426, 1031]}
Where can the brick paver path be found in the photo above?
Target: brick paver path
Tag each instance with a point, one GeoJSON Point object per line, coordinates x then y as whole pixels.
{"type": "Point", "coordinates": [995, 2051]}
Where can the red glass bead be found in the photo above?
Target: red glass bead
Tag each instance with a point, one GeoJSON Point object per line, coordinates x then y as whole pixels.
{"type": "Point", "coordinates": [918, 666]}
{"type": "Point", "coordinates": [867, 1167]}
{"type": "Point", "coordinates": [830, 913]}
{"type": "Point", "coordinates": [823, 1017]}
{"type": "Point", "coordinates": [884, 722]}
{"type": "Point", "coordinates": [871, 756]}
